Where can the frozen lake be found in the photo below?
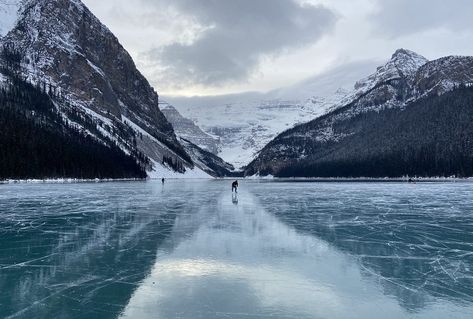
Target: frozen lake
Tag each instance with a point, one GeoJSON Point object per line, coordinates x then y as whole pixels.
{"type": "Point", "coordinates": [189, 249]}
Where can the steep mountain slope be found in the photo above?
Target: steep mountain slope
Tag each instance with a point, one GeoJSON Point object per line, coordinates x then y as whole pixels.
{"type": "Point", "coordinates": [442, 75]}
{"type": "Point", "coordinates": [245, 122]}
{"type": "Point", "coordinates": [392, 127]}
{"type": "Point", "coordinates": [37, 142]}
{"type": "Point", "coordinates": [209, 162]}
{"type": "Point", "coordinates": [187, 129]}
{"type": "Point", "coordinates": [60, 46]}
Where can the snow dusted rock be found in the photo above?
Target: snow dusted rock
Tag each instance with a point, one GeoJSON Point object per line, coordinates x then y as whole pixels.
{"type": "Point", "coordinates": [388, 86]}
{"type": "Point", "coordinates": [210, 163]}
{"type": "Point", "coordinates": [188, 130]}
{"type": "Point", "coordinates": [404, 65]}
{"type": "Point", "coordinates": [442, 75]}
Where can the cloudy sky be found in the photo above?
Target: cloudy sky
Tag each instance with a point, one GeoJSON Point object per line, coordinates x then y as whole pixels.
{"type": "Point", "coordinates": [203, 47]}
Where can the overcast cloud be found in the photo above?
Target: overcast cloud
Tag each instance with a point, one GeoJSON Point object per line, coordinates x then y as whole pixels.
{"type": "Point", "coordinates": [237, 34]}
{"type": "Point", "coordinates": [401, 17]}
{"type": "Point", "coordinates": [222, 46]}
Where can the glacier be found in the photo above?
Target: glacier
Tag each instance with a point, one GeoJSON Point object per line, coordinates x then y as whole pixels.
{"type": "Point", "coordinates": [244, 123]}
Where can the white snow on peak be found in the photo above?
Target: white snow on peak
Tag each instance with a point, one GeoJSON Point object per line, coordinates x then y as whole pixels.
{"type": "Point", "coordinates": [407, 62]}
{"type": "Point", "coordinates": [9, 10]}
{"type": "Point", "coordinates": [403, 64]}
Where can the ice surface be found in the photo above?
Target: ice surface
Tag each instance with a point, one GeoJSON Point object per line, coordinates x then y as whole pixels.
{"type": "Point", "coordinates": [189, 249]}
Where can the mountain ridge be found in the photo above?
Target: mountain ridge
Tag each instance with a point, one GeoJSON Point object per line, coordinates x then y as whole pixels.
{"type": "Point", "coordinates": [187, 129]}
{"type": "Point", "coordinates": [387, 89]}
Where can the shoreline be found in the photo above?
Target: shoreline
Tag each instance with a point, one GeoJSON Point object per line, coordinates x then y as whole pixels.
{"type": "Point", "coordinates": [365, 179]}
{"type": "Point", "coordinates": [69, 180]}
{"type": "Point", "coordinates": [253, 178]}
{"type": "Point", "coordinates": [404, 179]}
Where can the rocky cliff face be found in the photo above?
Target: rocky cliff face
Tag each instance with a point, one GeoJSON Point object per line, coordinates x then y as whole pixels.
{"type": "Point", "coordinates": [442, 75]}
{"type": "Point", "coordinates": [188, 130]}
{"type": "Point", "coordinates": [61, 46]}
{"type": "Point", "coordinates": [209, 162]}
{"type": "Point", "coordinates": [404, 80]}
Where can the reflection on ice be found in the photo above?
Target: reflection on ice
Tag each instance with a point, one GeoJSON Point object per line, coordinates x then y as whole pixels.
{"type": "Point", "coordinates": [239, 262]}
{"type": "Point", "coordinates": [194, 250]}
{"type": "Point", "coordinates": [243, 262]}
{"type": "Point", "coordinates": [415, 240]}
{"type": "Point", "coordinates": [69, 253]}
{"type": "Point", "coordinates": [235, 198]}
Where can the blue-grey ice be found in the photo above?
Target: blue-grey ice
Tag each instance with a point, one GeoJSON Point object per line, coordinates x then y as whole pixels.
{"type": "Point", "coordinates": [192, 249]}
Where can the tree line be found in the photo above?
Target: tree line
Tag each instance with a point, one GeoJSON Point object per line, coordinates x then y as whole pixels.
{"type": "Point", "coordinates": [430, 137]}
{"type": "Point", "coordinates": [36, 141]}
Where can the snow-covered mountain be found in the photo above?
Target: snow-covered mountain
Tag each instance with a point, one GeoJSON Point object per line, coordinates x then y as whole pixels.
{"type": "Point", "coordinates": [246, 122]}
{"type": "Point", "coordinates": [188, 130]}
{"type": "Point", "coordinates": [378, 123]}
{"type": "Point", "coordinates": [61, 46]}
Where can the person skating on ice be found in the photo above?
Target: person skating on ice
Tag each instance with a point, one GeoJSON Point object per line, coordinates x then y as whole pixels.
{"type": "Point", "coordinates": [235, 186]}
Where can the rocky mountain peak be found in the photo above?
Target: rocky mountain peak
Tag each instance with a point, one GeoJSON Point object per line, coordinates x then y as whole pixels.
{"type": "Point", "coordinates": [186, 129]}
{"type": "Point", "coordinates": [405, 53]}
{"type": "Point", "coordinates": [406, 62]}
{"type": "Point", "coordinates": [403, 64]}
{"type": "Point", "coordinates": [64, 44]}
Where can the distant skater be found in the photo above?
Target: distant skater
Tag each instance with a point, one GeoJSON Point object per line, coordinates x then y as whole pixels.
{"type": "Point", "coordinates": [163, 180]}
{"type": "Point", "coordinates": [235, 186]}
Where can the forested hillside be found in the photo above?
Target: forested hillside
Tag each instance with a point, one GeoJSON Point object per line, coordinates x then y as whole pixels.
{"type": "Point", "coordinates": [430, 137]}
{"type": "Point", "coordinates": [38, 142]}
